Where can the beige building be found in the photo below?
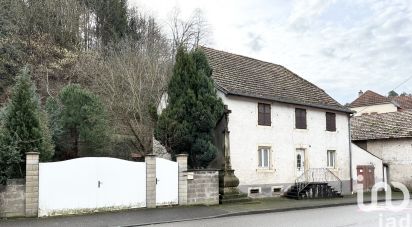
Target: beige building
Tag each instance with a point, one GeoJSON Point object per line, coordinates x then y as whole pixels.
{"type": "Point", "coordinates": [389, 137]}
{"type": "Point", "coordinates": [370, 102]}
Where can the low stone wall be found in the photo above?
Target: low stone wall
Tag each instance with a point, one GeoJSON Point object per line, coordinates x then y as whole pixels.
{"type": "Point", "coordinates": [202, 187]}
{"type": "Point", "coordinates": [12, 198]}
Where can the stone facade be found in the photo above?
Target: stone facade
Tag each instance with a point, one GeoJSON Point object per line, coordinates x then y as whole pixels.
{"type": "Point", "coordinates": [203, 187]}
{"type": "Point", "coordinates": [12, 199]}
{"type": "Point", "coordinates": [397, 155]}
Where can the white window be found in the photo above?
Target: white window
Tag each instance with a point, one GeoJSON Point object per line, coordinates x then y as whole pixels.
{"type": "Point", "coordinates": [264, 157]}
{"type": "Point", "coordinates": [331, 158]}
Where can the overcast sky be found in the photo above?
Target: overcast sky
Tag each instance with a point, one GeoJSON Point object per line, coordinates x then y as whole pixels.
{"type": "Point", "coordinates": [342, 46]}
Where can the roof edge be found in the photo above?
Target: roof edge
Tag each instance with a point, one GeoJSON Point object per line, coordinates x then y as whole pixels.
{"type": "Point", "coordinates": [277, 99]}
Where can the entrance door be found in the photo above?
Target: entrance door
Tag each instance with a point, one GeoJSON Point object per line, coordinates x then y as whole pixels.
{"type": "Point", "coordinates": [300, 162]}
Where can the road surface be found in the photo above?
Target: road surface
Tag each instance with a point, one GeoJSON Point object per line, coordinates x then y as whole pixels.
{"type": "Point", "coordinates": [333, 216]}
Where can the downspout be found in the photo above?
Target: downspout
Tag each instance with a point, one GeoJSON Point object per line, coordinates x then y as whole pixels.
{"type": "Point", "coordinates": [350, 154]}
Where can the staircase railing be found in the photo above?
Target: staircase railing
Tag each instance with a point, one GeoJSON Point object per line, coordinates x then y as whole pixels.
{"type": "Point", "coordinates": [318, 175]}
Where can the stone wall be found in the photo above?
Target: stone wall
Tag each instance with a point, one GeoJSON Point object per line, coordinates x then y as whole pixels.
{"type": "Point", "coordinates": [203, 187]}
{"type": "Point", "coordinates": [12, 199]}
{"type": "Point", "coordinates": [397, 155]}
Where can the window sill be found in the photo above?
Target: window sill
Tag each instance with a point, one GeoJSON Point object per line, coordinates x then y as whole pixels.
{"type": "Point", "coordinates": [265, 170]}
{"type": "Point", "coordinates": [301, 129]}
{"type": "Point", "coordinates": [264, 126]}
{"type": "Point", "coordinates": [330, 131]}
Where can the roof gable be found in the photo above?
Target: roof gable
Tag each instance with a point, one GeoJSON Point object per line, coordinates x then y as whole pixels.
{"type": "Point", "coordinates": [369, 98]}
{"type": "Point", "coordinates": [244, 76]}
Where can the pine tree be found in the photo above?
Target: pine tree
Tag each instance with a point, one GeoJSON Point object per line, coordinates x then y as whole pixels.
{"type": "Point", "coordinates": [187, 124]}
{"type": "Point", "coordinates": [78, 123]}
{"type": "Point", "coordinates": [23, 129]}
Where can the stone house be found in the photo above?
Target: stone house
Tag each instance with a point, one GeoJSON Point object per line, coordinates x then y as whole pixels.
{"type": "Point", "coordinates": [282, 127]}
{"type": "Point", "coordinates": [280, 124]}
{"type": "Point", "coordinates": [389, 137]}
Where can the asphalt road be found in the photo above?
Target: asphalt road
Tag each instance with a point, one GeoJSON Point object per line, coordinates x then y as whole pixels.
{"type": "Point", "coordinates": [333, 216]}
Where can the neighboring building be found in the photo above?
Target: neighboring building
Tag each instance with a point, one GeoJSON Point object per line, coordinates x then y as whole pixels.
{"type": "Point", "coordinates": [367, 165]}
{"type": "Point", "coordinates": [280, 124]}
{"type": "Point", "coordinates": [389, 137]}
{"type": "Point", "coordinates": [373, 103]}
{"type": "Point", "coordinates": [404, 102]}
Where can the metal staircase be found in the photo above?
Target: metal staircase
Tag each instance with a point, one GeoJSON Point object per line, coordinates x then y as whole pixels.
{"type": "Point", "coordinates": [316, 183]}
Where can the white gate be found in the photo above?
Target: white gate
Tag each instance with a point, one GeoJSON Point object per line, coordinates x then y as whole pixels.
{"type": "Point", "coordinates": [88, 184]}
{"type": "Point", "coordinates": [166, 182]}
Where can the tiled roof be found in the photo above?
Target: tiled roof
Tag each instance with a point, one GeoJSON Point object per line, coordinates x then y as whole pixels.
{"type": "Point", "coordinates": [369, 98]}
{"type": "Point", "coordinates": [404, 102]}
{"type": "Point", "coordinates": [239, 75]}
{"type": "Point", "coordinates": [382, 126]}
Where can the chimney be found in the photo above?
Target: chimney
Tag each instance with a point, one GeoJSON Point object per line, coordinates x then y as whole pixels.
{"type": "Point", "coordinates": [360, 93]}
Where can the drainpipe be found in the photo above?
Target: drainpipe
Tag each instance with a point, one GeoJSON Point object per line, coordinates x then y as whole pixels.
{"type": "Point", "coordinates": [350, 154]}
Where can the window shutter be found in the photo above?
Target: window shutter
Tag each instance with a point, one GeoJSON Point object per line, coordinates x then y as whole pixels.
{"type": "Point", "coordinates": [300, 118]}
{"type": "Point", "coordinates": [330, 122]}
{"type": "Point", "coordinates": [264, 114]}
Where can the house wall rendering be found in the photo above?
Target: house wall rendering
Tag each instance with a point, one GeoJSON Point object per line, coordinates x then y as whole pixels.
{"type": "Point", "coordinates": [373, 109]}
{"type": "Point", "coordinates": [361, 157]}
{"type": "Point", "coordinates": [283, 141]}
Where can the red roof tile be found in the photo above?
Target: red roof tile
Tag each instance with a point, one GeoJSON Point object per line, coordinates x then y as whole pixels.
{"type": "Point", "coordinates": [369, 98]}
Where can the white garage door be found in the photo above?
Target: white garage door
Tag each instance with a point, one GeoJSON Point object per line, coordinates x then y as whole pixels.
{"type": "Point", "coordinates": [87, 184]}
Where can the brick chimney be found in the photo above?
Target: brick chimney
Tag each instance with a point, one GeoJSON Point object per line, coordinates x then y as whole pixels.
{"type": "Point", "coordinates": [360, 93]}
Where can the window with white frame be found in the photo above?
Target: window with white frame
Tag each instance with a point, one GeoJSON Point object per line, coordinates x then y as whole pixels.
{"type": "Point", "coordinates": [264, 157]}
{"type": "Point", "coordinates": [331, 158]}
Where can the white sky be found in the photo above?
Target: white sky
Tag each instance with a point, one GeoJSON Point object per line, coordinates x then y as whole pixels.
{"type": "Point", "coordinates": [342, 46]}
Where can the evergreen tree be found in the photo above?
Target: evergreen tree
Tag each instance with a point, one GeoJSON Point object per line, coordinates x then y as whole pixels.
{"type": "Point", "coordinates": [23, 130]}
{"type": "Point", "coordinates": [112, 22]}
{"type": "Point", "coordinates": [392, 94]}
{"type": "Point", "coordinates": [78, 122]}
{"type": "Point", "coordinates": [187, 124]}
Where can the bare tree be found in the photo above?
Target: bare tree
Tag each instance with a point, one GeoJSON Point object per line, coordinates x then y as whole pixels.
{"type": "Point", "coordinates": [131, 79]}
{"type": "Point", "coordinates": [191, 32]}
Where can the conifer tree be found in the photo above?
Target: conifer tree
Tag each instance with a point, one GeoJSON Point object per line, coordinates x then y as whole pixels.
{"type": "Point", "coordinates": [187, 124]}
{"type": "Point", "coordinates": [78, 123]}
{"type": "Point", "coordinates": [24, 126]}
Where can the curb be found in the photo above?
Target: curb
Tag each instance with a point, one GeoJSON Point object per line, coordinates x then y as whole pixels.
{"type": "Point", "coordinates": [264, 211]}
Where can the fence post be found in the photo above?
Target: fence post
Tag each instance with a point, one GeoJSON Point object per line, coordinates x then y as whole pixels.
{"type": "Point", "coordinates": [182, 163]}
{"type": "Point", "coordinates": [150, 160]}
{"type": "Point", "coordinates": [32, 184]}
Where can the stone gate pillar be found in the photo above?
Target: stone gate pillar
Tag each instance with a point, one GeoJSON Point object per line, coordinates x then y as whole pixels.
{"type": "Point", "coordinates": [150, 160]}
{"type": "Point", "coordinates": [182, 189]}
{"type": "Point", "coordinates": [32, 184]}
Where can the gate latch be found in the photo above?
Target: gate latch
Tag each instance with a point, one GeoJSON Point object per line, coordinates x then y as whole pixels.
{"type": "Point", "coordinates": [99, 183]}
{"type": "Point", "coordinates": [157, 180]}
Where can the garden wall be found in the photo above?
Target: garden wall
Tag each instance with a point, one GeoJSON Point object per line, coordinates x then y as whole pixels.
{"type": "Point", "coordinates": [12, 198]}
{"type": "Point", "coordinates": [203, 187]}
